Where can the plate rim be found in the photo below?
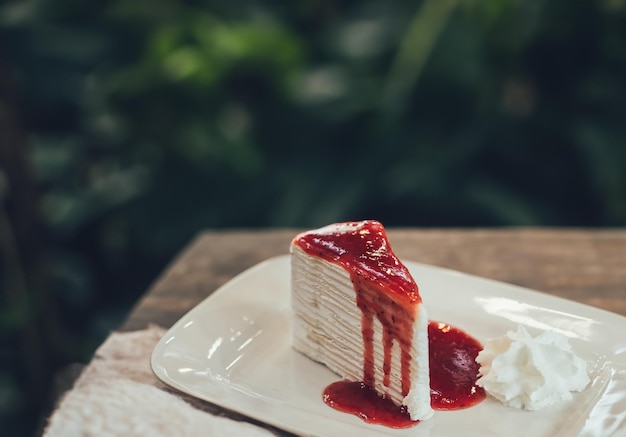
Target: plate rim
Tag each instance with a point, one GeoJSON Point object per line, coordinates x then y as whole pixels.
{"type": "Point", "coordinates": [603, 316]}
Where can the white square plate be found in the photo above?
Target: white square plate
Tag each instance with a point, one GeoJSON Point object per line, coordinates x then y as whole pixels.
{"type": "Point", "coordinates": [233, 350]}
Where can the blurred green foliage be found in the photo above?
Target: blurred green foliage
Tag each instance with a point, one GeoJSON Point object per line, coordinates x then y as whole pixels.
{"type": "Point", "coordinates": [149, 120]}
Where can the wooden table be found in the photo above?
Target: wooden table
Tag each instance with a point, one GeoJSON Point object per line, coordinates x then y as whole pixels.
{"type": "Point", "coordinates": [587, 266]}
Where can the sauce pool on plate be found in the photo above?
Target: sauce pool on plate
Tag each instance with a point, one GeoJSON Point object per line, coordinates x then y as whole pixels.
{"type": "Point", "coordinates": [453, 375]}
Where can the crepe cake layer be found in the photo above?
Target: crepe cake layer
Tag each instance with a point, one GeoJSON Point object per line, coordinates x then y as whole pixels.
{"type": "Point", "coordinates": [346, 280]}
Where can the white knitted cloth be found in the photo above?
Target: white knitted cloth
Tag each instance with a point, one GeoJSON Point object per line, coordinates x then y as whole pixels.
{"type": "Point", "coordinates": [118, 395]}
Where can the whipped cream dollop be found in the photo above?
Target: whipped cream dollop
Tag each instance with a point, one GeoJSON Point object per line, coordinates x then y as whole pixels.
{"type": "Point", "coordinates": [529, 372]}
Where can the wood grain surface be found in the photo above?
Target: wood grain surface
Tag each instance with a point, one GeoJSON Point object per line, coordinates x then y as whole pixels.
{"type": "Point", "coordinates": [581, 265]}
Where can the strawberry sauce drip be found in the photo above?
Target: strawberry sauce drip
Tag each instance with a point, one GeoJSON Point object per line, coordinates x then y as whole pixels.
{"type": "Point", "coordinates": [397, 325]}
{"type": "Point", "coordinates": [363, 401]}
{"type": "Point", "coordinates": [453, 368]}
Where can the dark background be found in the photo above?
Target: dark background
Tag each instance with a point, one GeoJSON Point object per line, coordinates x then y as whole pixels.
{"type": "Point", "coordinates": [128, 126]}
